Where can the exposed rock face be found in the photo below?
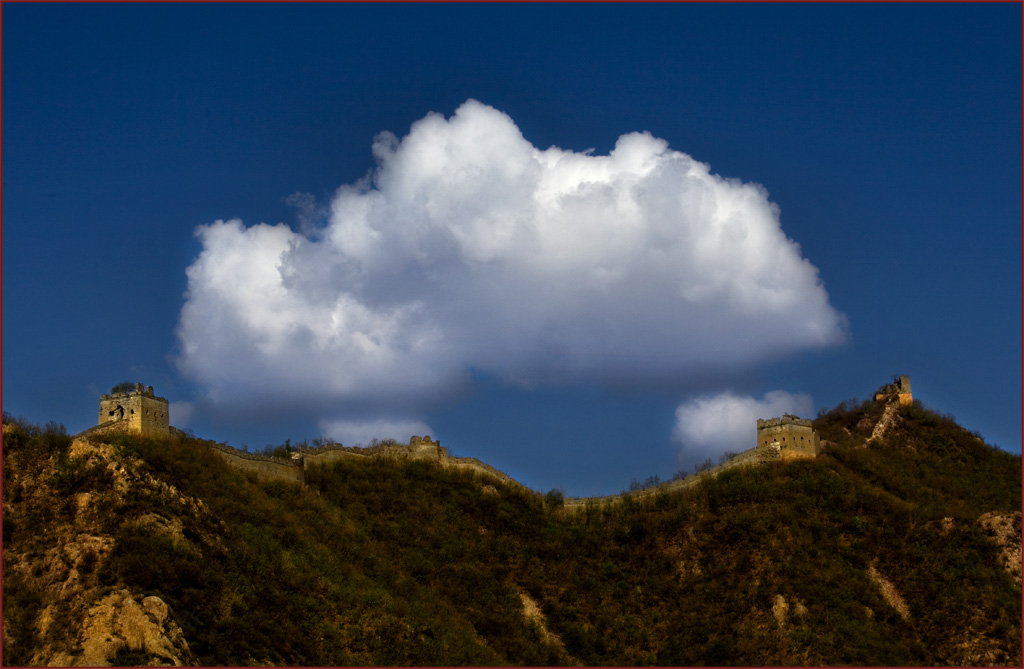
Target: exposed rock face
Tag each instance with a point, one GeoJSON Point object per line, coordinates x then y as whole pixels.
{"type": "Point", "coordinates": [118, 622]}
{"type": "Point", "coordinates": [1005, 530]}
{"type": "Point", "coordinates": [975, 649]}
{"type": "Point", "coordinates": [779, 609]}
{"type": "Point", "coordinates": [71, 618]}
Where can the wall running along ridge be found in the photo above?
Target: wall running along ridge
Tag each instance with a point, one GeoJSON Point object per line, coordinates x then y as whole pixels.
{"type": "Point", "coordinates": [784, 438]}
{"type": "Point", "coordinates": [267, 468]}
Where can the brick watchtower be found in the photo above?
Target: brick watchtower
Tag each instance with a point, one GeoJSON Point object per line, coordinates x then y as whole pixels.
{"type": "Point", "coordinates": [144, 412]}
{"type": "Point", "coordinates": [787, 437]}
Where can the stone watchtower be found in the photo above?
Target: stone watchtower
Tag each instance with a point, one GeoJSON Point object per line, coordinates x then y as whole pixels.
{"type": "Point", "coordinates": [786, 438]}
{"type": "Point", "coordinates": [424, 447]}
{"type": "Point", "coordinates": [143, 412]}
{"type": "Point", "coordinates": [900, 388]}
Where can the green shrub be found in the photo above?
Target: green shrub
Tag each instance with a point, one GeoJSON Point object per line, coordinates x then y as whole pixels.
{"type": "Point", "coordinates": [554, 498]}
{"type": "Point", "coordinates": [68, 475]}
{"type": "Point", "coordinates": [22, 605]}
{"type": "Point", "coordinates": [130, 658]}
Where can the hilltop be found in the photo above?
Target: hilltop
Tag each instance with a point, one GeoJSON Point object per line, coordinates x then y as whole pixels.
{"type": "Point", "coordinates": [902, 549]}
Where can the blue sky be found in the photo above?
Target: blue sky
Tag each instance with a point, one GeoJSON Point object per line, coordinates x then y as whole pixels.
{"type": "Point", "coordinates": [593, 235]}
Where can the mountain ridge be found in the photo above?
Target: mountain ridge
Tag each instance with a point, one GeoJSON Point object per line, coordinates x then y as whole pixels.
{"type": "Point", "coordinates": [903, 549]}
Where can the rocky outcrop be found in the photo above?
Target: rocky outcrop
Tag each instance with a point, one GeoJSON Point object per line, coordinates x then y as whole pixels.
{"type": "Point", "coordinates": [119, 628]}
{"type": "Point", "coordinates": [1005, 530]}
{"type": "Point", "coordinates": [781, 608]}
{"type": "Point", "coordinates": [63, 613]}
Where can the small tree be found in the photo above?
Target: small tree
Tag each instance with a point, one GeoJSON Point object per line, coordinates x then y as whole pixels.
{"type": "Point", "coordinates": [123, 387]}
{"type": "Point", "coordinates": [555, 498]}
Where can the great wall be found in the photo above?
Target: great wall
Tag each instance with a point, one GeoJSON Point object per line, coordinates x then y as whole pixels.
{"type": "Point", "coordinates": [139, 411]}
{"type": "Point", "coordinates": [783, 438]}
{"type": "Point", "coordinates": [294, 468]}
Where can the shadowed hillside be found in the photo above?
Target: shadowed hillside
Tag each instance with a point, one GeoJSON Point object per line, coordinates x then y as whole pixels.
{"type": "Point", "coordinates": [904, 550]}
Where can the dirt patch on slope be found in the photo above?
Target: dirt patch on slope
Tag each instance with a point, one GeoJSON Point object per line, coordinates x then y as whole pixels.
{"type": "Point", "coordinates": [532, 613]}
{"type": "Point", "coordinates": [889, 592]}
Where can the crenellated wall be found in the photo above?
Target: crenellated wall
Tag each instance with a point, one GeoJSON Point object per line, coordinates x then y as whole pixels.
{"type": "Point", "coordinates": [784, 438]}
{"type": "Point", "coordinates": [277, 469]}
{"type": "Point", "coordinates": [747, 458]}
{"type": "Point", "coordinates": [265, 468]}
{"type": "Point", "coordinates": [325, 456]}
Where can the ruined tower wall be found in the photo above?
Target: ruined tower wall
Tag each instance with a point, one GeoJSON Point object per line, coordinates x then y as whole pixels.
{"type": "Point", "coordinates": [899, 388]}
{"type": "Point", "coordinates": [903, 390]}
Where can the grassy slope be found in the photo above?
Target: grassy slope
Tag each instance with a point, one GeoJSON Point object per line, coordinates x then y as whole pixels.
{"type": "Point", "coordinates": [405, 563]}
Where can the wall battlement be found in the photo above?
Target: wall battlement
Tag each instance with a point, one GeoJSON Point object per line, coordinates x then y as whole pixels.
{"type": "Point", "coordinates": [265, 467]}
{"type": "Point", "coordinates": [787, 419]}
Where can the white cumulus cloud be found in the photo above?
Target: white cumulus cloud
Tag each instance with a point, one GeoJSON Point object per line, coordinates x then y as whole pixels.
{"type": "Point", "coordinates": [469, 249]}
{"type": "Point", "coordinates": [708, 426]}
